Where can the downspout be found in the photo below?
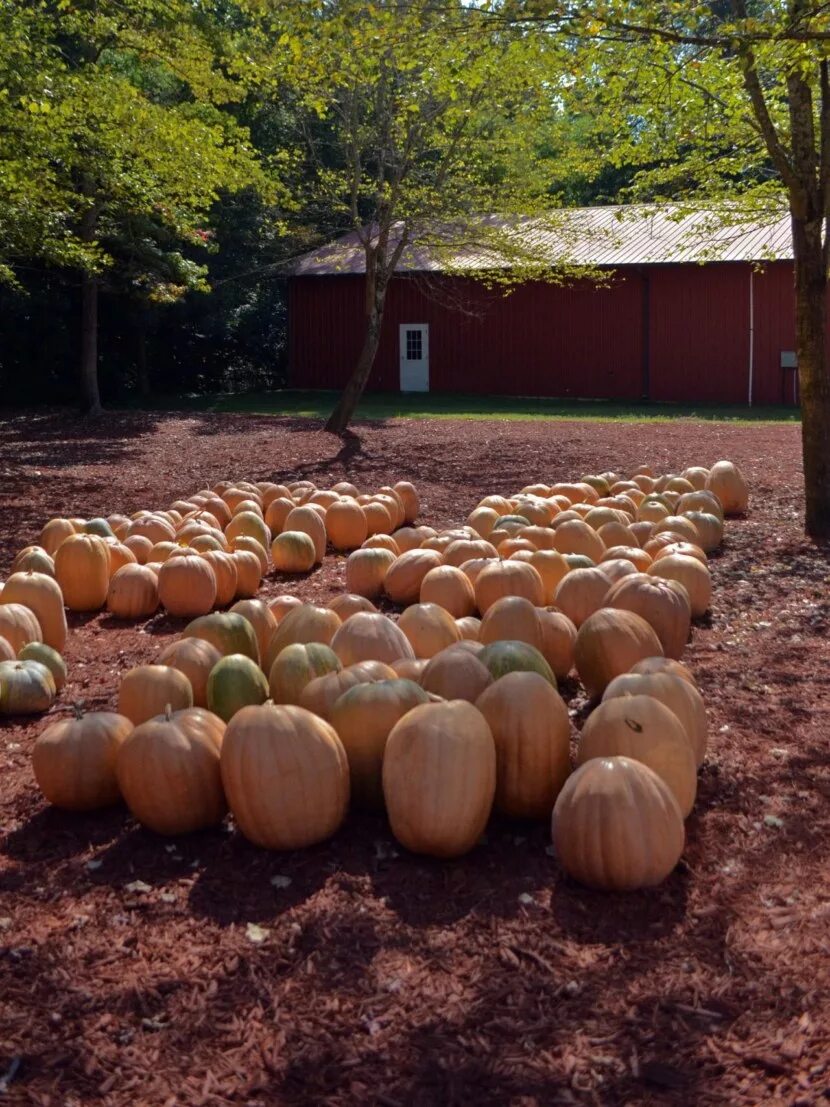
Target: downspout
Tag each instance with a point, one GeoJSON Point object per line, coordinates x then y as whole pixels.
{"type": "Point", "coordinates": [751, 329]}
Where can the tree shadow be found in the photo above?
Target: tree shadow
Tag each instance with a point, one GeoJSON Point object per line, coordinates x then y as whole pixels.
{"type": "Point", "coordinates": [52, 835]}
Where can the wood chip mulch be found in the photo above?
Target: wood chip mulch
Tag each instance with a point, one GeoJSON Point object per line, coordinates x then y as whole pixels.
{"type": "Point", "coordinates": [202, 972]}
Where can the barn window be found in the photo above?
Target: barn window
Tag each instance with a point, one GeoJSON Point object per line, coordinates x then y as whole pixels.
{"type": "Point", "coordinates": [414, 348]}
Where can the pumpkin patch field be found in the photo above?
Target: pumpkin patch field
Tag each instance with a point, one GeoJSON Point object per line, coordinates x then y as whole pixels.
{"type": "Point", "coordinates": [448, 763]}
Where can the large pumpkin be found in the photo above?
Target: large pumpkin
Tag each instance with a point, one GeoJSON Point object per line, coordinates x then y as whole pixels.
{"type": "Point", "coordinates": [409, 498]}
{"type": "Point", "coordinates": [531, 729]}
{"type": "Point", "coordinates": [645, 729]}
{"type": "Point", "coordinates": [507, 656]}
{"type": "Point", "coordinates": [227, 631]}
{"type": "Point", "coordinates": [664, 604]}
{"type": "Point", "coordinates": [347, 604]}
{"type": "Point", "coordinates": [551, 567]}
{"type": "Point", "coordinates": [321, 693]}
{"type": "Point", "coordinates": [370, 636]}
{"type": "Point", "coordinates": [451, 589]}
{"type": "Point", "coordinates": [306, 623]}
{"type": "Point", "coordinates": [285, 775]}
{"type": "Point", "coordinates": [558, 641]}
{"type": "Point", "coordinates": [26, 688]}
{"type": "Point", "coordinates": [402, 582]}
{"type": "Point", "coordinates": [363, 717]}
{"type": "Point", "coordinates": [581, 593]}
{"type": "Point", "coordinates": [187, 585]}
{"type": "Point", "coordinates": [616, 825]}
{"type": "Point", "coordinates": [439, 778]}
{"type": "Point", "coordinates": [42, 595]}
{"type": "Point", "coordinates": [39, 651]}
{"type": "Point", "coordinates": [74, 760]}
{"type": "Point", "coordinates": [679, 695]}
{"type": "Point", "coordinates": [346, 525]}
{"type": "Point", "coordinates": [296, 666]}
{"type": "Point", "coordinates": [54, 533]}
{"type": "Point", "coordinates": [429, 629]}
{"type": "Point", "coordinates": [694, 576]}
{"type": "Point", "coordinates": [664, 665]}
{"type": "Point", "coordinates": [18, 624]}
{"type": "Point", "coordinates": [235, 682]}
{"type": "Point", "coordinates": [250, 525]}
{"type": "Point", "coordinates": [82, 569]}
{"type": "Point", "coordinates": [512, 617]}
{"type": "Point", "coordinates": [34, 559]}
{"type": "Point", "coordinates": [507, 578]}
{"type": "Point", "coordinates": [293, 551]}
{"type": "Point", "coordinates": [308, 521]}
{"type": "Point", "coordinates": [133, 592]}
{"type": "Point", "coordinates": [608, 643]}
{"type": "Point", "coordinates": [261, 618]}
{"type": "Point", "coordinates": [148, 690]}
{"type": "Point", "coordinates": [727, 482]}
{"type": "Point", "coordinates": [196, 658]}
{"type": "Point", "coordinates": [168, 772]}
{"type": "Point", "coordinates": [576, 537]}
{"type": "Point", "coordinates": [456, 674]}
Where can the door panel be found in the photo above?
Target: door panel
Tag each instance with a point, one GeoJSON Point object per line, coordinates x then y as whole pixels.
{"type": "Point", "coordinates": [414, 357]}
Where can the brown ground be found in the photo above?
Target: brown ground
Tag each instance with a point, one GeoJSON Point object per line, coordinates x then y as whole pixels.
{"type": "Point", "coordinates": [129, 974]}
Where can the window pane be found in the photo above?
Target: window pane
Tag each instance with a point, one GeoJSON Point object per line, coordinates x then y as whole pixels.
{"type": "Point", "coordinates": [413, 346]}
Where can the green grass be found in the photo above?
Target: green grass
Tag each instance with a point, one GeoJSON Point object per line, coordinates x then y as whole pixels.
{"type": "Point", "coordinates": [393, 405]}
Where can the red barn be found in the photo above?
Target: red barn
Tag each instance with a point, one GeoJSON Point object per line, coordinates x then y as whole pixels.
{"type": "Point", "coordinates": [687, 312]}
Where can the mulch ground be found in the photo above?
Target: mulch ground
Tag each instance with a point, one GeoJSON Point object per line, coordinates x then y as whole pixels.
{"type": "Point", "coordinates": [202, 971]}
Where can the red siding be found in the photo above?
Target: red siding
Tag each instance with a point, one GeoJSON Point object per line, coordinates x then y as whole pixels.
{"type": "Point", "coordinates": [577, 341]}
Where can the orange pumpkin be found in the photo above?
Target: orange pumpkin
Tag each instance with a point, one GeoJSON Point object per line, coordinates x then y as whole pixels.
{"type": "Point", "coordinates": [133, 592]}
{"type": "Point", "coordinates": [74, 760]}
{"type": "Point", "coordinates": [608, 643]}
{"type": "Point", "coordinates": [147, 690]}
{"type": "Point", "coordinates": [196, 658]}
{"type": "Point", "coordinates": [508, 578]}
{"type": "Point", "coordinates": [370, 636]}
{"type": "Point", "coordinates": [346, 525]}
{"type": "Point", "coordinates": [662, 603]}
{"type": "Point", "coordinates": [187, 585]}
{"type": "Point", "coordinates": [42, 595]}
{"type": "Point", "coordinates": [450, 588]}
{"type": "Point", "coordinates": [402, 581]}
{"type": "Point", "coordinates": [429, 629]}
{"type": "Point", "coordinates": [82, 569]}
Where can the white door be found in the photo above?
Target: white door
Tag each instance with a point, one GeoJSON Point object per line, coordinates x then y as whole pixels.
{"type": "Point", "coordinates": [414, 344]}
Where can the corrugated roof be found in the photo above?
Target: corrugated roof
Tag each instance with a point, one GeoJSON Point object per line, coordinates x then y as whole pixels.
{"type": "Point", "coordinates": [599, 237]}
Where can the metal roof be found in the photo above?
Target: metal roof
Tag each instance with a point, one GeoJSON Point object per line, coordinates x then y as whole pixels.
{"type": "Point", "coordinates": [599, 237]}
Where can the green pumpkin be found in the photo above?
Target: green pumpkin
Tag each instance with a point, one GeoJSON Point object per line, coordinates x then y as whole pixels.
{"type": "Point", "coordinates": [503, 657]}
{"type": "Point", "coordinates": [579, 561]}
{"type": "Point", "coordinates": [46, 655]}
{"type": "Point", "coordinates": [235, 682]}
{"type": "Point", "coordinates": [26, 688]}
{"type": "Point", "coordinates": [228, 631]}
{"type": "Point", "coordinates": [100, 527]}
{"type": "Point", "coordinates": [514, 520]}
{"type": "Point", "coordinates": [298, 664]}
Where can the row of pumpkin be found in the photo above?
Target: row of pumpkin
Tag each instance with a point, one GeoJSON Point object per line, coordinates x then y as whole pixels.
{"type": "Point", "coordinates": [413, 713]}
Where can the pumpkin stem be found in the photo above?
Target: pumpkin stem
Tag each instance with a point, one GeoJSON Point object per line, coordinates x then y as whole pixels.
{"type": "Point", "coordinates": [168, 712]}
{"type": "Point", "coordinates": [78, 709]}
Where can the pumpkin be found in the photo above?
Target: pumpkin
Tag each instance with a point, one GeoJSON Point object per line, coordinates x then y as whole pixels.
{"type": "Point", "coordinates": [154, 527]}
{"type": "Point", "coordinates": [381, 542]}
{"type": "Point", "coordinates": [18, 624]}
{"type": "Point", "coordinates": [468, 627]}
{"type": "Point", "coordinates": [402, 581]}
{"type": "Point", "coordinates": [429, 629]}
{"type": "Point", "coordinates": [393, 505]}
{"type": "Point", "coordinates": [7, 652]}
{"type": "Point", "coordinates": [456, 674]}
{"type": "Point", "coordinates": [702, 500]}
{"type": "Point", "coordinates": [689, 572]}
{"type": "Point", "coordinates": [508, 578]}
{"type": "Point", "coordinates": [662, 603]}
{"type": "Point", "coordinates": [639, 558]}
{"type": "Point", "coordinates": [407, 538]}
{"type": "Point", "coordinates": [46, 655]}
{"type": "Point", "coordinates": [682, 528]}
{"type": "Point", "coordinates": [261, 619]}
{"type": "Point", "coordinates": [228, 631]}
{"type": "Point", "coordinates": [551, 567]}
{"type": "Point", "coordinates": [678, 695]}
{"type": "Point", "coordinates": [346, 525]}
{"type": "Point", "coordinates": [119, 555]}
{"type": "Point", "coordinates": [54, 533]}
{"type": "Point", "coordinates": [187, 585]}
{"type": "Point", "coordinates": [378, 518]}
{"type": "Point", "coordinates": [140, 547]}
{"type": "Point", "coordinates": [532, 731]}
{"type": "Point", "coordinates": [450, 588]}
{"type": "Point", "coordinates": [652, 510]}
{"type": "Point", "coordinates": [664, 665]}
{"type": "Point", "coordinates": [509, 656]}
{"type": "Point", "coordinates": [581, 593]}
{"type": "Point", "coordinates": [409, 498]}
{"type": "Point", "coordinates": [249, 570]}
{"type": "Point", "coordinates": [82, 569]}
{"type": "Point", "coordinates": [439, 778]}
{"type": "Point", "coordinates": [617, 568]}
{"type": "Point", "coordinates": [280, 607]}
{"type": "Point", "coordinates": [558, 639]}
{"type": "Point", "coordinates": [225, 572]}
{"type": "Point", "coordinates": [643, 728]}
{"type": "Point", "coordinates": [26, 688]}
{"type": "Point", "coordinates": [133, 592]}
{"type": "Point", "coordinates": [293, 551]}
{"type": "Point", "coordinates": [608, 643]}
{"type": "Point", "coordinates": [370, 636]}
{"type": "Point", "coordinates": [306, 520]}
{"type": "Point", "coordinates": [709, 529]}
{"type": "Point", "coordinates": [235, 682]}
{"type": "Point", "coordinates": [346, 605]}
{"type": "Point", "coordinates": [168, 772]}
{"type": "Point", "coordinates": [286, 776]}
{"type": "Point", "coordinates": [194, 657]}
{"type": "Point", "coordinates": [467, 549]}
{"type": "Point", "coordinates": [511, 617]}
{"type": "Point", "coordinates": [277, 512]}
{"type": "Point", "coordinates": [616, 825]}
{"type": "Point", "coordinates": [147, 690]}
{"type": "Point", "coordinates": [363, 718]}
{"type": "Point", "coordinates": [576, 537]}
{"type": "Point", "coordinates": [248, 524]}
{"type": "Point", "coordinates": [696, 476]}
{"type": "Point", "coordinates": [74, 760]}
{"type": "Point", "coordinates": [306, 623]}
{"type": "Point", "coordinates": [727, 482]}
{"type": "Point", "coordinates": [321, 694]}
{"type": "Point", "coordinates": [34, 559]}
{"type": "Point", "coordinates": [42, 595]}
{"type": "Point", "coordinates": [160, 552]}
{"type": "Point", "coordinates": [296, 666]}
{"type": "Point", "coordinates": [206, 543]}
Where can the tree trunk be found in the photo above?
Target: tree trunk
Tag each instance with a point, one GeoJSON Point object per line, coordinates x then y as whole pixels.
{"type": "Point", "coordinates": [813, 378]}
{"type": "Point", "coordinates": [340, 418]}
{"type": "Point", "coordinates": [141, 350]}
{"type": "Point", "coordinates": [90, 396]}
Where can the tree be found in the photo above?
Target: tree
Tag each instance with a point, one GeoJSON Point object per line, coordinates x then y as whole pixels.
{"type": "Point", "coordinates": [726, 103]}
{"type": "Point", "coordinates": [117, 140]}
{"type": "Point", "coordinates": [416, 117]}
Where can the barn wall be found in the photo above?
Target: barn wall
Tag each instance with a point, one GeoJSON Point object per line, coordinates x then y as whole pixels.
{"type": "Point", "coordinates": [575, 341]}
